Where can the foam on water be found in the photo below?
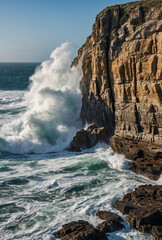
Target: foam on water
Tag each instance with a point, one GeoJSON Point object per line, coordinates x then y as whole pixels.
{"type": "Point", "coordinates": [12, 105]}
{"type": "Point", "coordinates": [53, 106]}
{"type": "Point", "coordinates": [49, 190]}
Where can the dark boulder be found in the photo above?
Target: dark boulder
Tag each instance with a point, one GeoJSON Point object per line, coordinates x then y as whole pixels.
{"type": "Point", "coordinates": [112, 223]}
{"type": "Point", "coordinates": [80, 230]}
{"type": "Point", "coordinates": [110, 216]}
{"type": "Point", "coordinates": [87, 138]}
{"type": "Point", "coordinates": [123, 207]}
{"type": "Point", "coordinates": [144, 209]}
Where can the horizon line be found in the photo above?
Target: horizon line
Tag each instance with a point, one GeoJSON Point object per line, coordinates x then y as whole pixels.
{"type": "Point", "coordinates": [22, 62]}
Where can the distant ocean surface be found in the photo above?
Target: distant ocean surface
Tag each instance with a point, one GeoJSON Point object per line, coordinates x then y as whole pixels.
{"type": "Point", "coordinates": [42, 185]}
{"type": "Point", "coordinates": [15, 76]}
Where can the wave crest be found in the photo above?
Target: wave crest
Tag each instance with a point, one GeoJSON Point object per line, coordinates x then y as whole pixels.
{"type": "Point", "coordinates": [53, 107]}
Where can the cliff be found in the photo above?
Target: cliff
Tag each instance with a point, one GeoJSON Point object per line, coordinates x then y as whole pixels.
{"type": "Point", "coordinates": [122, 80]}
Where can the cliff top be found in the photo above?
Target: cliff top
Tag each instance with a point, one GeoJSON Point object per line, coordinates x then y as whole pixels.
{"type": "Point", "coordinates": [147, 4]}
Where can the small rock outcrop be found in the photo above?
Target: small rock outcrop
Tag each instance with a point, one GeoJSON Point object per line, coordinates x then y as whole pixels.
{"type": "Point", "coordinates": [147, 157]}
{"type": "Point", "coordinates": [144, 209]}
{"type": "Point", "coordinates": [113, 222]}
{"type": "Point", "coordinates": [80, 230]}
{"type": "Point", "coordinates": [87, 138]}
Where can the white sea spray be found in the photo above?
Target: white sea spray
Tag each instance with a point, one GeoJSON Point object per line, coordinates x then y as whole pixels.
{"type": "Point", "coordinates": [53, 107]}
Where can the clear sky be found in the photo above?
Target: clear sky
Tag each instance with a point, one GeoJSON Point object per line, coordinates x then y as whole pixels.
{"type": "Point", "coordinates": [31, 29]}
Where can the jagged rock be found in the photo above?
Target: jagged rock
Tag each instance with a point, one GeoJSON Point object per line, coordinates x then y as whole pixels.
{"type": "Point", "coordinates": [87, 138]}
{"type": "Point", "coordinates": [108, 227]}
{"type": "Point", "coordinates": [144, 209]}
{"type": "Point", "coordinates": [80, 230]}
{"type": "Point", "coordinates": [156, 231]}
{"type": "Point", "coordinates": [124, 207]}
{"type": "Point", "coordinates": [147, 158]}
{"type": "Point", "coordinates": [151, 168]}
{"type": "Point", "coordinates": [122, 77]}
{"type": "Point", "coordinates": [110, 216]}
{"type": "Point", "coordinates": [112, 223]}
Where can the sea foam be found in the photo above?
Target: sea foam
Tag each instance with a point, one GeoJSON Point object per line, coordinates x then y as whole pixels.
{"type": "Point", "coordinates": [53, 107]}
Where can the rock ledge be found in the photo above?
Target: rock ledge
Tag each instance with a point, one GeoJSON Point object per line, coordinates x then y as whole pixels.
{"type": "Point", "coordinates": [144, 209]}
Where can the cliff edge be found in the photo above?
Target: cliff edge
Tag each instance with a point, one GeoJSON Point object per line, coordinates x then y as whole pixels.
{"type": "Point", "coordinates": [122, 80]}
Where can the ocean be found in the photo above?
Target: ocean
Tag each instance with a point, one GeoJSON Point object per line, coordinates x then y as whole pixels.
{"type": "Point", "coordinates": [42, 184]}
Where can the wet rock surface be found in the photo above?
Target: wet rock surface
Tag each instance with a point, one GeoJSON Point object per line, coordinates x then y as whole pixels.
{"type": "Point", "coordinates": [144, 209]}
{"type": "Point", "coordinates": [87, 138]}
{"type": "Point", "coordinates": [80, 230]}
{"type": "Point", "coordinates": [146, 158]}
{"type": "Point", "coordinates": [110, 216]}
{"type": "Point", "coordinates": [113, 222]}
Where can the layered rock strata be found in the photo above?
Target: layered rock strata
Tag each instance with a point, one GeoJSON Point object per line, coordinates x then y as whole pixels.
{"type": "Point", "coordinates": [122, 76]}
{"type": "Point", "coordinates": [144, 209]}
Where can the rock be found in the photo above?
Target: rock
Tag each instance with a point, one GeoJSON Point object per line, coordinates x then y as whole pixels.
{"type": "Point", "coordinates": [121, 88]}
{"type": "Point", "coordinates": [156, 231]}
{"type": "Point", "coordinates": [148, 167]}
{"type": "Point", "coordinates": [112, 223]}
{"type": "Point", "coordinates": [123, 207]}
{"type": "Point", "coordinates": [144, 209]}
{"type": "Point", "coordinates": [147, 158]}
{"type": "Point", "coordinates": [80, 230]}
{"type": "Point", "coordinates": [110, 216]}
{"type": "Point", "coordinates": [87, 138]}
{"type": "Point", "coordinates": [108, 227]}
{"type": "Point", "coordinates": [122, 81]}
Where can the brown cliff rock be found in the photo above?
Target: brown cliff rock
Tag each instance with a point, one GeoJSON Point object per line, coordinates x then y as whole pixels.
{"type": "Point", "coordinates": [144, 209]}
{"type": "Point", "coordinates": [87, 138]}
{"type": "Point", "coordinates": [122, 75]}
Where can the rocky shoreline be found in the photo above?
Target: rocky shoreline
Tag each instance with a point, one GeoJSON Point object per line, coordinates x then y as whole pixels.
{"type": "Point", "coordinates": [122, 104]}
{"type": "Point", "coordinates": [82, 230]}
{"type": "Point", "coordinates": [144, 209]}
{"type": "Point", "coordinates": [146, 157]}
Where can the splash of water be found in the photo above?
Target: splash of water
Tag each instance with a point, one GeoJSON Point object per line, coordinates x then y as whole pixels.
{"type": "Point", "coordinates": [53, 107]}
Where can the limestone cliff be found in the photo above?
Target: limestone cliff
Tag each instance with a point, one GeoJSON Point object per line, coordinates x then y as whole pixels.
{"type": "Point", "coordinates": [122, 75]}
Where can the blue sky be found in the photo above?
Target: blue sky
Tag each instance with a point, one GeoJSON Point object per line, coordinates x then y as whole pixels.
{"type": "Point", "coordinates": [31, 29]}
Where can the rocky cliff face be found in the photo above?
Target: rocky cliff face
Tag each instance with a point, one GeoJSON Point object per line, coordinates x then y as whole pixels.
{"type": "Point", "coordinates": [122, 74]}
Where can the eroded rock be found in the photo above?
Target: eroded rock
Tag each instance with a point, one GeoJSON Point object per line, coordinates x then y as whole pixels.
{"type": "Point", "coordinates": [144, 209]}
{"type": "Point", "coordinates": [147, 158]}
{"type": "Point", "coordinates": [80, 230]}
{"type": "Point", "coordinates": [87, 138]}
{"type": "Point", "coordinates": [110, 216]}
{"type": "Point", "coordinates": [122, 79]}
{"type": "Point", "coordinates": [113, 222]}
